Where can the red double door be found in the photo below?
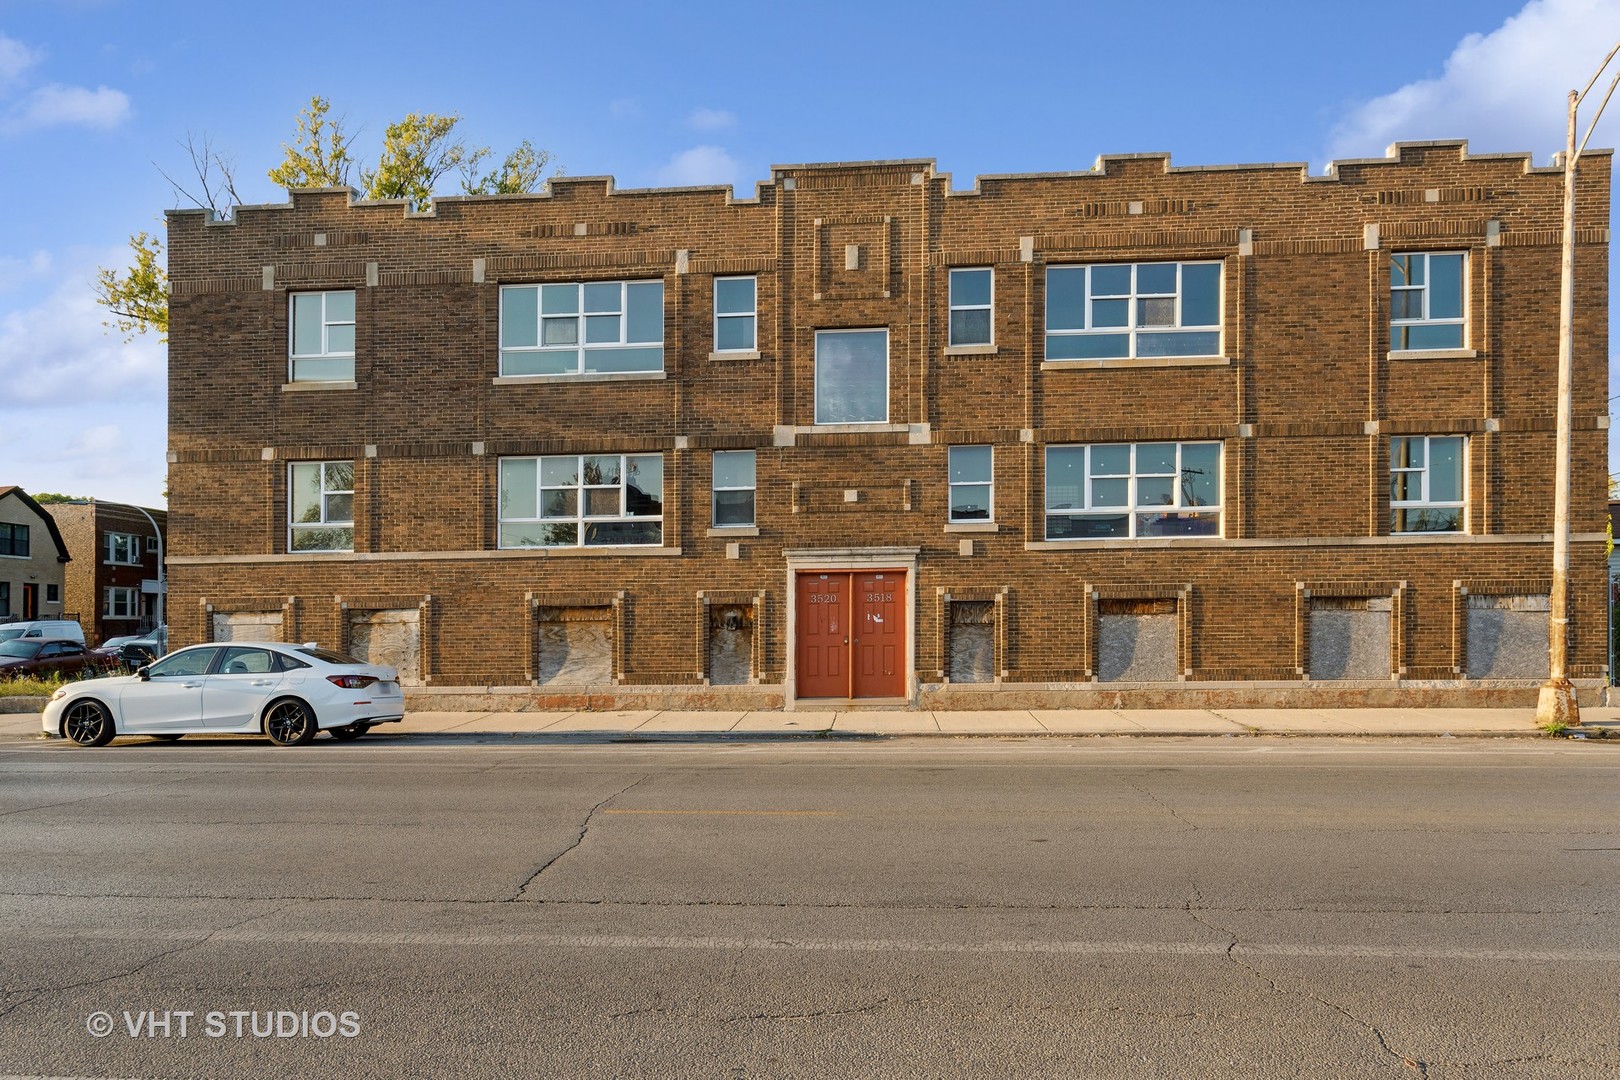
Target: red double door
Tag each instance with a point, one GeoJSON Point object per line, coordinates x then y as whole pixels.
{"type": "Point", "coordinates": [851, 634]}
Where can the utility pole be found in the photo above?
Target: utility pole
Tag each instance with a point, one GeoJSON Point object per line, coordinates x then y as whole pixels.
{"type": "Point", "coordinates": [1557, 703]}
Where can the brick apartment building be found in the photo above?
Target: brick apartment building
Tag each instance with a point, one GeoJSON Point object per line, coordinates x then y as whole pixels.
{"type": "Point", "coordinates": [1143, 434]}
{"type": "Point", "coordinates": [112, 584]}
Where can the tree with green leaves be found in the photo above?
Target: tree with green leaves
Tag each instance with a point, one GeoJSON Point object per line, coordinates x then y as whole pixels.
{"type": "Point", "coordinates": [417, 153]}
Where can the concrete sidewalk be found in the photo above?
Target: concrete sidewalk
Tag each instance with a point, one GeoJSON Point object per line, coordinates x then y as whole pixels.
{"type": "Point", "coordinates": [653, 723]}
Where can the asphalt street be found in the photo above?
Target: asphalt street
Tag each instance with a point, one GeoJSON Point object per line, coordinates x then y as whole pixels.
{"type": "Point", "coordinates": [1054, 907]}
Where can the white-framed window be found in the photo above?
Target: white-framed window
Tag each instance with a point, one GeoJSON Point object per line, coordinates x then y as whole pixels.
{"type": "Point", "coordinates": [321, 336]}
{"type": "Point", "coordinates": [1427, 300]}
{"type": "Point", "coordinates": [852, 376]}
{"type": "Point", "coordinates": [1120, 310]}
{"type": "Point", "coordinates": [123, 549]}
{"type": "Point", "coordinates": [736, 314]}
{"type": "Point", "coordinates": [53, 594]}
{"type": "Point", "coordinates": [320, 506]}
{"type": "Point", "coordinates": [1133, 490]}
{"type": "Point", "coordinates": [1427, 483]}
{"type": "Point", "coordinates": [582, 500]}
{"type": "Point", "coordinates": [120, 602]}
{"type": "Point", "coordinates": [972, 300]}
{"type": "Point", "coordinates": [151, 545]}
{"type": "Point", "coordinates": [971, 483]}
{"type": "Point", "coordinates": [13, 540]}
{"type": "Point", "coordinates": [582, 328]}
{"type": "Point", "coordinates": [733, 488]}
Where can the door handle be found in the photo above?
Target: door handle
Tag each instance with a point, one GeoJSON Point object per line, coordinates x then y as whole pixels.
{"type": "Point", "coordinates": [190, 685]}
{"type": "Point", "coordinates": [261, 682]}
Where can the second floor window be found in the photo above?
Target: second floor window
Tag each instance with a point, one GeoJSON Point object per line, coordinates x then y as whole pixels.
{"type": "Point", "coordinates": [1124, 310]}
{"type": "Point", "coordinates": [13, 539]}
{"type": "Point", "coordinates": [736, 320]}
{"type": "Point", "coordinates": [1426, 488]}
{"type": "Point", "coordinates": [582, 500]}
{"type": "Point", "coordinates": [852, 376]}
{"type": "Point", "coordinates": [322, 336]}
{"type": "Point", "coordinates": [1133, 490]}
{"type": "Point", "coordinates": [596, 327]}
{"type": "Point", "coordinates": [733, 488]}
{"type": "Point", "coordinates": [971, 483]}
{"type": "Point", "coordinates": [971, 306]}
{"type": "Point", "coordinates": [320, 506]}
{"type": "Point", "coordinates": [1426, 301]}
{"type": "Point", "coordinates": [123, 549]}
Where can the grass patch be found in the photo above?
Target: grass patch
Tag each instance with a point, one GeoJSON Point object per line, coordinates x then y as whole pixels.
{"type": "Point", "coordinates": [1554, 728]}
{"type": "Point", "coordinates": [45, 687]}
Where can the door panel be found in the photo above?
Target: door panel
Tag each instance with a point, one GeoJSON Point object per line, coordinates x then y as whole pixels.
{"type": "Point", "coordinates": [822, 641]}
{"type": "Point", "coordinates": [851, 634]}
{"type": "Point", "coordinates": [880, 634]}
{"type": "Point", "coordinates": [232, 696]}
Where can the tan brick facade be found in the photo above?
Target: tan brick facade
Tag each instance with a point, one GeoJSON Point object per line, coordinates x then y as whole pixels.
{"type": "Point", "coordinates": [1303, 397]}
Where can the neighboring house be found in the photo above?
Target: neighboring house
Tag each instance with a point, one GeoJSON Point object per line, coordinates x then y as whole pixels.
{"type": "Point", "coordinates": [32, 558]}
{"type": "Point", "coordinates": [114, 579]}
{"type": "Point", "coordinates": [1142, 434]}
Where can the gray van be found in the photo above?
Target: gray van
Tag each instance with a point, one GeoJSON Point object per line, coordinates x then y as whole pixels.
{"type": "Point", "coordinates": [43, 628]}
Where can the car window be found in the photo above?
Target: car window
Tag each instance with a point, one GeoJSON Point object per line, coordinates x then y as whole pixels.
{"type": "Point", "coordinates": [19, 648]}
{"type": "Point", "coordinates": [327, 656]}
{"type": "Point", "coordinates": [52, 648]}
{"type": "Point", "coordinates": [288, 663]}
{"type": "Point", "coordinates": [240, 661]}
{"type": "Point", "coordinates": [183, 663]}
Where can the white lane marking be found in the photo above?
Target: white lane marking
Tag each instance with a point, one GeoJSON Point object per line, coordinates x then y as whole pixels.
{"type": "Point", "coordinates": [506, 939]}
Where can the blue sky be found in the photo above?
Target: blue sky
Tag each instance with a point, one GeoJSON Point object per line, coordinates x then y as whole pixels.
{"type": "Point", "coordinates": [97, 95]}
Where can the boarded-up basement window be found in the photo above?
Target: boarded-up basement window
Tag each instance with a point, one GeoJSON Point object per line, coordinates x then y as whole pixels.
{"type": "Point", "coordinates": [972, 641]}
{"type": "Point", "coordinates": [1507, 637]}
{"type": "Point", "coordinates": [1350, 637]}
{"type": "Point", "coordinates": [731, 644]}
{"type": "Point", "coordinates": [247, 626]}
{"type": "Point", "coordinates": [1136, 640]}
{"type": "Point", "coordinates": [391, 636]}
{"type": "Point", "coordinates": [575, 645]}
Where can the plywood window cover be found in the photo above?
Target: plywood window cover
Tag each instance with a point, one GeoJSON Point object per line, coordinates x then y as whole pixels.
{"type": "Point", "coordinates": [535, 602]}
{"type": "Point", "coordinates": [426, 628]}
{"type": "Point", "coordinates": [707, 599]}
{"type": "Point", "coordinates": [1394, 591]}
{"type": "Point", "coordinates": [1463, 588]}
{"type": "Point", "coordinates": [1001, 598]}
{"type": "Point", "coordinates": [1097, 591]}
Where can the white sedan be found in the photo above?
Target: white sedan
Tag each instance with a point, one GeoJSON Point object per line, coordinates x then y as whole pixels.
{"type": "Point", "coordinates": [288, 692]}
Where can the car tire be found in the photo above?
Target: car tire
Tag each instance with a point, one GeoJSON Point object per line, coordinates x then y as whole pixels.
{"type": "Point", "coordinates": [289, 722]}
{"type": "Point", "coordinates": [88, 723]}
{"type": "Point", "coordinates": [169, 738]}
{"type": "Point", "coordinates": [350, 733]}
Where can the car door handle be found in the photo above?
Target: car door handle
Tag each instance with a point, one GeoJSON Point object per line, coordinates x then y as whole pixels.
{"type": "Point", "coordinates": [191, 685]}
{"type": "Point", "coordinates": [262, 682]}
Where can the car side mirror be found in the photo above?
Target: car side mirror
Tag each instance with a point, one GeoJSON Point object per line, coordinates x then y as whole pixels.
{"type": "Point", "coordinates": [144, 673]}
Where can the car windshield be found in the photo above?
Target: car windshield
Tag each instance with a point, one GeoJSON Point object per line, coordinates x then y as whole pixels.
{"type": "Point", "coordinates": [327, 656]}
{"type": "Point", "coordinates": [9, 632]}
{"type": "Point", "coordinates": [25, 650]}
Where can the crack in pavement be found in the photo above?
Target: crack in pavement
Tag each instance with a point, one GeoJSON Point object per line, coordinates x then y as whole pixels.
{"type": "Point", "coordinates": [107, 794]}
{"type": "Point", "coordinates": [1161, 804]}
{"type": "Point", "coordinates": [584, 828]}
{"type": "Point", "coordinates": [1416, 1064]}
{"type": "Point", "coordinates": [853, 1011]}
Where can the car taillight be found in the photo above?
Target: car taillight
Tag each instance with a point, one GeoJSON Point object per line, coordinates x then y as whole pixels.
{"type": "Point", "coordinates": [351, 682]}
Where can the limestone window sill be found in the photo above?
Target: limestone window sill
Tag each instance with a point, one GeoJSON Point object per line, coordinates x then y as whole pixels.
{"type": "Point", "coordinates": [591, 377]}
{"type": "Point", "coordinates": [972, 527]}
{"type": "Point", "coordinates": [739, 354]}
{"type": "Point", "coordinates": [971, 350]}
{"type": "Point", "coordinates": [320, 384]}
{"type": "Point", "coordinates": [1135, 362]}
{"type": "Point", "coordinates": [734, 532]}
{"type": "Point", "coordinates": [1432, 354]}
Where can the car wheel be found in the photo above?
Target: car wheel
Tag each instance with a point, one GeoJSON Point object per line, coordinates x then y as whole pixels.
{"type": "Point", "coordinates": [289, 723]}
{"type": "Point", "coordinates": [350, 733]}
{"type": "Point", "coordinates": [88, 723]}
{"type": "Point", "coordinates": [168, 738]}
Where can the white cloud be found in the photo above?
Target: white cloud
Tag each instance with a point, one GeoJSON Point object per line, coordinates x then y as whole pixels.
{"type": "Point", "coordinates": [14, 271]}
{"type": "Point", "coordinates": [57, 105]}
{"type": "Point", "coordinates": [1502, 91]}
{"type": "Point", "coordinates": [15, 60]}
{"type": "Point", "coordinates": [701, 165]}
{"type": "Point", "coordinates": [711, 119]}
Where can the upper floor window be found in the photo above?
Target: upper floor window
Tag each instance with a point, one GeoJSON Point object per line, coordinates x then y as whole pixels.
{"type": "Point", "coordinates": [322, 333]}
{"type": "Point", "coordinates": [1426, 300]}
{"type": "Point", "coordinates": [151, 545]}
{"type": "Point", "coordinates": [1133, 490]}
{"type": "Point", "coordinates": [1426, 486]}
{"type": "Point", "coordinates": [971, 305]}
{"type": "Point", "coordinates": [971, 483]}
{"type": "Point", "coordinates": [582, 500]}
{"type": "Point", "coordinates": [1124, 310]}
{"type": "Point", "coordinates": [597, 327]}
{"type": "Point", "coordinates": [735, 314]}
{"type": "Point", "coordinates": [733, 488]}
{"type": "Point", "coordinates": [852, 376]}
{"type": "Point", "coordinates": [13, 539]}
{"type": "Point", "coordinates": [320, 506]}
{"type": "Point", "coordinates": [120, 602]}
{"type": "Point", "coordinates": [123, 549]}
